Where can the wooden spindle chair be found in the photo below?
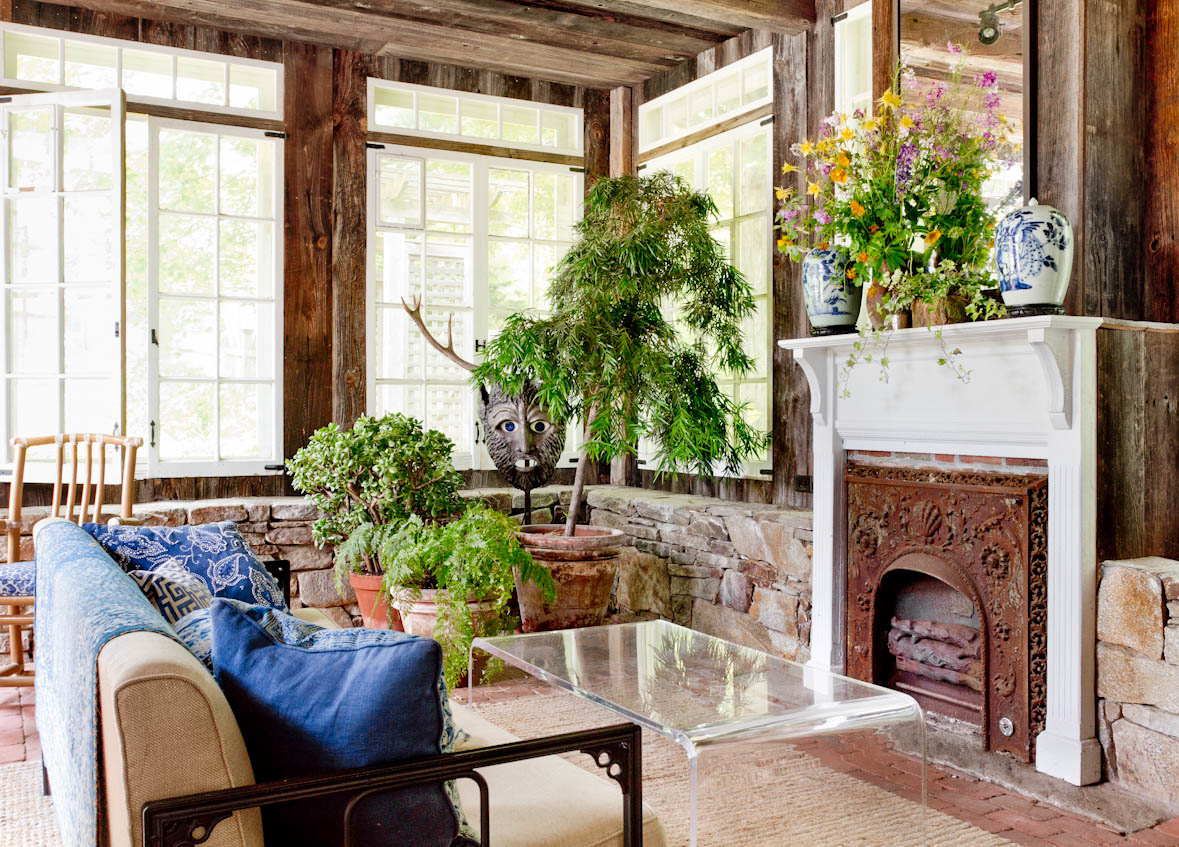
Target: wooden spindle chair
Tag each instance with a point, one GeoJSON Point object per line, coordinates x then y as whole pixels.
{"type": "Point", "coordinates": [83, 503]}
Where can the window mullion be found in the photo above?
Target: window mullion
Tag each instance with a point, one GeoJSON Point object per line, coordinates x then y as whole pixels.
{"type": "Point", "coordinates": [153, 293]}
{"type": "Point", "coordinates": [481, 197]}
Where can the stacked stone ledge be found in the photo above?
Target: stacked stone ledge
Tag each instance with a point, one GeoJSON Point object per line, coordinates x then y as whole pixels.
{"type": "Point", "coordinates": [740, 571]}
{"type": "Point", "coordinates": [1138, 674]}
{"type": "Point", "coordinates": [280, 528]}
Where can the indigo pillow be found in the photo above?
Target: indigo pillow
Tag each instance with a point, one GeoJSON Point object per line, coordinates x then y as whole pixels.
{"type": "Point", "coordinates": [196, 631]}
{"type": "Point", "coordinates": [174, 590]}
{"type": "Point", "coordinates": [312, 701]}
{"type": "Point", "coordinates": [215, 552]}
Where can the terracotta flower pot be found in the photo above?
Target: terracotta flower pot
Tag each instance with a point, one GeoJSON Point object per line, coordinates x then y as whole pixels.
{"type": "Point", "coordinates": [374, 605]}
{"type": "Point", "coordinates": [948, 310]}
{"type": "Point", "coordinates": [584, 568]}
{"type": "Point", "coordinates": [422, 618]}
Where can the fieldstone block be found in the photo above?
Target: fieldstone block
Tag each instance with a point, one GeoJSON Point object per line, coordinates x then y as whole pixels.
{"type": "Point", "coordinates": [722, 548]}
{"type": "Point", "coordinates": [1154, 719]}
{"type": "Point", "coordinates": [649, 533]}
{"type": "Point", "coordinates": [1130, 678]}
{"type": "Point", "coordinates": [655, 548]}
{"type": "Point", "coordinates": [293, 510]}
{"type": "Point", "coordinates": [786, 551]}
{"type": "Point", "coordinates": [1171, 644]}
{"type": "Point", "coordinates": [775, 610]}
{"type": "Point", "coordinates": [690, 571]}
{"type": "Point", "coordinates": [160, 514]}
{"type": "Point", "coordinates": [704, 589]}
{"type": "Point", "coordinates": [1130, 608]}
{"type": "Point", "coordinates": [731, 625]}
{"type": "Point", "coordinates": [290, 535]}
{"type": "Point", "coordinates": [1147, 760]}
{"type": "Point", "coordinates": [1172, 610]}
{"type": "Point", "coordinates": [258, 512]}
{"type": "Point", "coordinates": [669, 510]}
{"type": "Point", "coordinates": [745, 534]}
{"type": "Point", "coordinates": [306, 558]}
{"type": "Point", "coordinates": [539, 516]}
{"type": "Point", "coordinates": [681, 609]}
{"type": "Point", "coordinates": [683, 557]}
{"type": "Point", "coordinates": [708, 525]}
{"type": "Point", "coordinates": [211, 511]}
{"type": "Point", "coordinates": [541, 497]}
{"type": "Point", "coordinates": [494, 498]}
{"type": "Point", "coordinates": [644, 584]}
{"type": "Point", "coordinates": [611, 520]}
{"type": "Point", "coordinates": [613, 498]}
{"type": "Point", "coordinates": [269, 551]}
{"type": "Point", "coordinates": [789, 647]}
{"type": "Point", "coordinates": [717, 561]}
{"type": "Point", "coordinates": [762, 573]}
{"type": "Point", "coordinates": [339, 616]}
{"type": "Point", "coordinates": [318, 588]}
{"type": "Point", "coordinates": [1171, 587]}
{"type": "Point", "coordinates": [736, 591]}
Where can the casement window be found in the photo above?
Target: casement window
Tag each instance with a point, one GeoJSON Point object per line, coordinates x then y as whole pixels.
{"type": "Point", "coordinates": [471, 238]}
{"type": "Point", "coordinates": [143, 291]}
{"type": "Point", "coordinates": [853, 60]}
{"type": "Point", "coordinates": [735, 167]}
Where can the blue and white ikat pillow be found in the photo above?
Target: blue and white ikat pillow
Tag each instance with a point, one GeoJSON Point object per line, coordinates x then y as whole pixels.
{"type": "Point", "coordinates": [215, 552]}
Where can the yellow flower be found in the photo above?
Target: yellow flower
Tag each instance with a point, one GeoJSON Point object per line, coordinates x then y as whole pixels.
{"type": "Point", "coordinates": [847, 135]}
{"type": "Point", "coordinates": [869, 124]}
{"type": "Point", "coordinates": [806, 148]}
{"type": "Point", "coordinates": [788, 168]}
{"type": "Point", "coordinates": [857, 209]}
{"type": "Point", "coordinates": [906, 122]}
{"type": "Point", "coordinates": [784, 242]}
{"type": "Point", "coordinates": [782, 193]}
{"type": "Point", "coordinates": [890, 100]}
{"type": "Point", "coordinates": [842, 159]}
{"type": "Point", "coordinates": [813, 188]}
{"type": "Point", "coordinates": [931, 237]}
{"type": "Point", "coordinates": [842, 119]}
{"type": "Point", "coordinates": [823, 245]}
{"type": "Point", "coordinates": [839, 175]}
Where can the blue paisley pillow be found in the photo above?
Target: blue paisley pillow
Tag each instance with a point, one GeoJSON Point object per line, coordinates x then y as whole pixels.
{"type": "Point", "coordinates": [215, 552]}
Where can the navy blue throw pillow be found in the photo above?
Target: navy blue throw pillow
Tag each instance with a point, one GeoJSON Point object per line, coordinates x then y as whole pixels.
{"type": "Point", "coordinates": [313, 701]}
{"type": "Point", "coordinates": [216, 552]}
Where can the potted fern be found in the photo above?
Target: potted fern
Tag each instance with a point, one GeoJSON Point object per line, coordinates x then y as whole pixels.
{"type": "Point", "coordinates": [613, 356]}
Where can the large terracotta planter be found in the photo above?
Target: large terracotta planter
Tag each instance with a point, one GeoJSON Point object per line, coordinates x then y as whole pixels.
{"type": "Point", "coordinates": [374, 605]}
{"type": "Point", "coordinates": [421, 618]}
{"type": "Point", "coordinates": [584, 568]}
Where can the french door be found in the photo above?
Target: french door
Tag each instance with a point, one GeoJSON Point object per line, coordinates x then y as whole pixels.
{"type": "Point", "coordinates": [63, 268]}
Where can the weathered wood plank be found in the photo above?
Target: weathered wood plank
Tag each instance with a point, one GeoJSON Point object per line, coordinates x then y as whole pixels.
{"type": "Point", "coordinates": [621, 132]}
{"type": "Point", "coordinates": [349, 235]}
{"type": "Point", "coordinates": [596, 126]}
{"type": "Point", "coordinates": [885, 45]}
{"type": "Point", "coordinates": [1160, 453]}
{"type": "Point", "coordinates": [1161, 226]}
{"type": "Point", "coordinates": [1121, 469]}
{"type": "Point", "coordinates": [1115, 133]}
{"type": "Point", "coordinates": [307, 307]}
{"type": "Point", "coordinates": [784, 16]}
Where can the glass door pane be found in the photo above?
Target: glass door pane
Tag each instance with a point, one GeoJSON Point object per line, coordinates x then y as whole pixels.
{"type": "Point", "coordinates": [63, 277]}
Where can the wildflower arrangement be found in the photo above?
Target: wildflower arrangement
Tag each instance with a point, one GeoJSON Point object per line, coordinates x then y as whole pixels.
{"type": "Point", "coordinates": [902, 189]}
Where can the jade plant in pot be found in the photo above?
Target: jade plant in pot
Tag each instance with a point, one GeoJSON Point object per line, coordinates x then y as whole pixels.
{"type": "Point", "coordinates": [379, 473]}
{"type": "Point", "coordinates": [610, 356]}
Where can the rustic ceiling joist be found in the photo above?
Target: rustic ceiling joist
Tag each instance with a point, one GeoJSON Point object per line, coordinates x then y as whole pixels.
{"type": "Point", "coordinates": [594, 43]}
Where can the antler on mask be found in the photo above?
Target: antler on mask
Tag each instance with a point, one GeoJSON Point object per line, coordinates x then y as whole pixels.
{"type": "Point", "coordinates": [447, 350]}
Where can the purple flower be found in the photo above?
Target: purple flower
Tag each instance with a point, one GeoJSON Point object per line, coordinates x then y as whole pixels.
{"type": "Point", "coordinates": [822, 217]}
{"type": "Point", "coordinates": [988, 80]}
{"type": "Point", "coordinates": [955, 49]}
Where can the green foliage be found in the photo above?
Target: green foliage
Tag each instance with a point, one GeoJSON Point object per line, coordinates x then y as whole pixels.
{"type": "Point", "coordinates": [610, 356]}
{"type": "Point", "coordinates": [942, 281]}
{"type": "Point", "coordinates": [380, 472]}
{"type": "Point", "coordinates": [472, 557]}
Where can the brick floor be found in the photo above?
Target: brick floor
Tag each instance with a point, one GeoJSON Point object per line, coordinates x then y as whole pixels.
{"type": "Point", "coordinates": [1014, 817]}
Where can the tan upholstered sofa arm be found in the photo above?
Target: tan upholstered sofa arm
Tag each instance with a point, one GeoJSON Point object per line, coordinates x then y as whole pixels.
{"type": "Point", "coordinates": [167, 730]}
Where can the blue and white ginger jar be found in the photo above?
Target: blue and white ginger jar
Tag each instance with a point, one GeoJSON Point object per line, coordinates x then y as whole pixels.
{"type": "Point", "coordinates": [1034, 256]}
{"type": "Point", "coordinates": [832, 300]}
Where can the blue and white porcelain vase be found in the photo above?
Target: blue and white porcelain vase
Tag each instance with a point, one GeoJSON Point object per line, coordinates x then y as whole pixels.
{"type": "Point", "coordinates": [832, 300]}
{"type": "Point", "coordinates": [1034, 258]}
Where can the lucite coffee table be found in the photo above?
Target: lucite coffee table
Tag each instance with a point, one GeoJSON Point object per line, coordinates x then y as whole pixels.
{"type": "Point", "coordinates": [704, 692]}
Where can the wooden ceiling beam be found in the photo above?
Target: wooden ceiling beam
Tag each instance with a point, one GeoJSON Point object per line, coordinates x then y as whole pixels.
{"type": "Point", "coordinates": [784, 16]}
{"type": "Point", "coordinates": [353, 26]}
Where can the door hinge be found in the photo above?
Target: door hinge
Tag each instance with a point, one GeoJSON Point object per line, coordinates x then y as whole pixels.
{"type": "Point", "coordinates": [116, 329]}
{"type": "Point", "coordinates": [155, 339]}
{"type": "Point", "coordinates": [372, 145]}
{"type": "Point", "coordinates": [480, 345]}
{"type": "Point", "coordinates": [274, 467]}
{"type": "Point", "coordinates": [273, 134]}
{"type": "Point", "coordinates": [152, 430]}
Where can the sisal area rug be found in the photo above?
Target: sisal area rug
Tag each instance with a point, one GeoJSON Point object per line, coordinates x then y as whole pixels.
{"type": "Point", "coordinates": [786, 797]}
{"type": "Point", "coordinates": [26, 814]}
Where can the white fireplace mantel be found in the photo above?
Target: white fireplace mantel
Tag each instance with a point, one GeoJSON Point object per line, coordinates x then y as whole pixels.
{"type": "Point", "coordinates": [1030, 393]}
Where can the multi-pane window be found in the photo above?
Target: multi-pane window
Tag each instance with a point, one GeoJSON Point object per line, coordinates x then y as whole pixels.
{"type": "Point", "coordinates": [408, 109]}
{"type": "Point", "coordinates": [46, 59]}
{"type": "Point", "coordinates": [472, 239]}
{"type": "Point", "coordinates": [735, 169]}
{"type": "Point", "coordinates": [214, 305]}
{"type": "Point", "coordinates": [853, 60]}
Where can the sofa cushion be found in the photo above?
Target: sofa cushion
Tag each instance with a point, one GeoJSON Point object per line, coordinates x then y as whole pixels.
{"type": "Point", "coordinates": [365, 697]}
{"type": "Point", "coordinates": [215, 552]}
{"type": "Point", "coordinates": [174, 590]}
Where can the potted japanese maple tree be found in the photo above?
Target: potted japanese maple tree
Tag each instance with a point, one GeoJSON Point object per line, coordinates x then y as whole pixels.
{"type": "Point", "coordinates": [611, 356]}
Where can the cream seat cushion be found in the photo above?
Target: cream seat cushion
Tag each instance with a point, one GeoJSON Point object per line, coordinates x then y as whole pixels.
{"type": "Point", "coordinates": [546, 802]}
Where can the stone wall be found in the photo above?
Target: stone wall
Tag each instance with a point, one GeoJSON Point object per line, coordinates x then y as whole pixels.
{"type": "Point", "coordinates": [740, 571]}
{"type": "Point", "coordinates": [1138, 674]}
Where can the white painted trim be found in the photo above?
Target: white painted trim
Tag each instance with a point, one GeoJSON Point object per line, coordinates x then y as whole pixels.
{"type": "Point", "coordinates": [1033, 394]}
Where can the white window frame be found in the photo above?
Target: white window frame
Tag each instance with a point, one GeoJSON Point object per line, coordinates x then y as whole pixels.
{"type": "Point", "coordinates": [472, 454]}
{"type": "Point", "coordinates": [578, 116]}
{"type": "Point", "coordinates": [173, 53]}
{"type": "Point", "coordinates": [653, 112]}
{"type": "Point", "coordinates": [220, 466]}
{"type": "Point", "coordinates": [700, 151]}
{"type": "Point", "coordinates": [37, 470]}
{"type": "Point", "coordinates": [847, 93]}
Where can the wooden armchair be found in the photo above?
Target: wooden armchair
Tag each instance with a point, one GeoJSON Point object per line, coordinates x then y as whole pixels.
{"type": "Point", "coordinates": [18, 578]}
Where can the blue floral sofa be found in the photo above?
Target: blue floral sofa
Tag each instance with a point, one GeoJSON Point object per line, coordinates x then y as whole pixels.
{"type": "Point", "coordinates": [171, 764]}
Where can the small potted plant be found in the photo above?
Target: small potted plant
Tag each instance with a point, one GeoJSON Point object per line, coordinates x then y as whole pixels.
{"type": "Point", "coordinates": [611, 356]}
{"type": "Point", "coordinates": [451, 581]}
{"type": "Point", "coordinates": [377, 474]}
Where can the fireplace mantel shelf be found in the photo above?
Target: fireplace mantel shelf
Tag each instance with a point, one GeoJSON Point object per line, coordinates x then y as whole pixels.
{"type": "Point", "coordinates": [1031, 393]}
